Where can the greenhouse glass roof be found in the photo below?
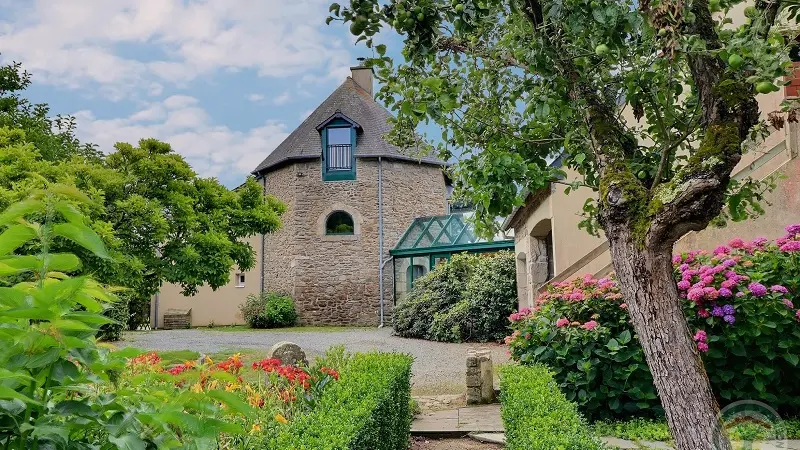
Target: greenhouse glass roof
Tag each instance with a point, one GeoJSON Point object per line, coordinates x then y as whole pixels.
{"type": "Point", "coordinates": [443, 233]}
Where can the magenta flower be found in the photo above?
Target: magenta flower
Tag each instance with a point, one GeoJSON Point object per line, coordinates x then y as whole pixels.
{"type": "Point", "coordinates": [757, 289]}
{"type": "Point", "coordinates": [729, 263]}
{"type": "Point", "coordinates": [760, 241]}
{"type": "Point", "coordinates": [740, 294]}
{"type": "Point", "coordinates": [725, 292]}
{"type": "Point", "coordinates": [676, 259]}
{"type": "Point", "coordinates": [514, 317]}
{"type": "Point", "coordinates": [788, 303]}
{"type": "Point", "coordinates": [576, 296]}
{"type": "Point", "coordinates": [683, 267]}
{"type": "Point", "coordinates": [793, 228]}
{"type": "Point", "coordinates": [590, 325]}
{"type": "Point", "coordinates": [700, 336]}
{"type": "Point", "coordinates": [797, 314]}
{"type": "Point", "coordinates": [708, 279]}
{"type": "Point", "coordinates": [731, 275]}
{"type": "Point", "coordinates": [728, 284]}
{"type": "Point", "coordinates": [702, 346]}
{"type": "Point", "coordinates": [736, 243]}
{"type": "Point", "coordinates": [695, 294]}
{"type": "Point", "coordinates": [711, 292]}
{"type": "Point", "coordinates": [562, 322]}
{"type": "Point", "coordinates": [791, 246]}
{"type": "Point", "coordinates": [779, 288]}
{"type": "Point", "coordinates": [722, 250]}
{"type": "Point", "coordinates": [623, 305]}
{"type": "Point", "coordinates": [702, 312]}
{"type": "Point", "coordinates": [684, 285]}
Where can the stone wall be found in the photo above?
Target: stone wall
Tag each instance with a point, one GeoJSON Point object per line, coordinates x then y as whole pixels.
{"type": "Point", "coordinates": [334, 279]}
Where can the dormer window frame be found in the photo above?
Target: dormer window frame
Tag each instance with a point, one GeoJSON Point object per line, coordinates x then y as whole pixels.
{"type": "Point", "coordinates": [338, 121]}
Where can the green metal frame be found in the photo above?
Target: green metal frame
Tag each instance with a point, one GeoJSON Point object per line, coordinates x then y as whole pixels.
{"type": "Point", "coordinates": [339, 175]}
{"type": "Point", "coordinates": [476, 247]}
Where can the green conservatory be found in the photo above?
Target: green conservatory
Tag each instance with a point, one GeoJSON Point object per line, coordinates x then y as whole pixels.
{"type": "Point", "coordinates": [431, 240]}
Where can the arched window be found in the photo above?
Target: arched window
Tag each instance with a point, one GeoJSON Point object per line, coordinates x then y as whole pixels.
{"type": "Point", "coordinates": [339, 222]}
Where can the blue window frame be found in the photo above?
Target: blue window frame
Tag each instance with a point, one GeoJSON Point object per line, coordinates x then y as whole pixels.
{"type": "Point", "coordinates": [338, 151]}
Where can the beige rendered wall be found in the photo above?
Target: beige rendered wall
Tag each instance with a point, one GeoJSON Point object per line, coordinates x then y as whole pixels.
{"type": "Point", "coordinates": [220, 307]}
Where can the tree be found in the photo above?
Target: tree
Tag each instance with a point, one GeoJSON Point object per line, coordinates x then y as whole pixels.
{"type": "Point", "coordinates": [515, 83]}
{"type": "Point", "coordinates": [160, 221]}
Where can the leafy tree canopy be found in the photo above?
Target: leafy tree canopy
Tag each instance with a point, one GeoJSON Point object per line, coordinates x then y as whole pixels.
{"type": "Point", "coordinates": [158, 218]}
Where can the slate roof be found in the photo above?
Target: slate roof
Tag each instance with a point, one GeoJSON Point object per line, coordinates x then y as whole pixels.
{"type": "Point", "coordinates": [355, 103]}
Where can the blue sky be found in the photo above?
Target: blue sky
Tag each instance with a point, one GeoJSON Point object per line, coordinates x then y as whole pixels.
{"type": "Point", "coordinates": [223, 81]}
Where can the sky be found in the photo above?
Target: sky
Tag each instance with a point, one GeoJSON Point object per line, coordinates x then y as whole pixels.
{"type": "Point", "coordinates": [222, 81]}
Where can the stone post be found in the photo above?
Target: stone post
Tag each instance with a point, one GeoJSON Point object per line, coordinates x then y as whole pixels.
{"type": "Point", "coordinates": [480, 379]}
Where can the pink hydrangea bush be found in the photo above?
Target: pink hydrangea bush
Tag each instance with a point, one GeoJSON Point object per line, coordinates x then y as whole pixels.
{"type": "Point", "coordinates": [739, 301]}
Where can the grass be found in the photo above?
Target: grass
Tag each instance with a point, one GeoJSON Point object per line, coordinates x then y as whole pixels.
{"type": "Point", "coordinates": [299, 329]}
{"type": "Point", "coordinates": [657, 430]}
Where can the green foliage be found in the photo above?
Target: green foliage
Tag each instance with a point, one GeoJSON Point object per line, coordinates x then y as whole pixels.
{"type": "Point", "coordinates": [747, 354]}
{"type": "Point", "coordinates": [57, 388]}
{"type": "Point", "coordinates": [657, 430]}
{"type": "Point", "coordinates": [118, 312]}
{"type": "Point", "coordinates": [269, 310]}
{"type": "Point", "coordinates": [157, 218]}
{"type": "Point", "coordinates": [536, 415]}
{"type": "Point", "coordinates": [465, 299]}
{"type": "Point", "coordinates": [367, 409]}
{"type": "Point", "coordinates": [507, 107]}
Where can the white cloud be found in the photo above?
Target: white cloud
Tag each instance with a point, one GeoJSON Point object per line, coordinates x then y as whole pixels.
{"type": "Point", "coordinates": [282, 99]}
{"type": "Point", "coordinates": [255, 98]}
{"type": "Point", "coordinates": [212, 149]}
{"type": "Point", "coordinates": [72, 43]}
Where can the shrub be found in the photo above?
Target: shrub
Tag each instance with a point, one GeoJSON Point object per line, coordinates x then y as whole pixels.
{"type": "Point", "coordinates": [536, 415]}
{"type": "Point", "coordinates": [737, 303]}
{"type": "Point", "coordinates": [118, 312]}
{"type": "Point", "coordinates": [367, 409]}
{"type": "Point", "coordinates": [269, 310]}
{"type": "Point", "coordinates": [465, 299]}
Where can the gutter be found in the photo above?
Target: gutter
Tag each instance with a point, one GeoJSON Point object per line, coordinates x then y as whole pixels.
{"type": "Point", "coordinates": [381, 263]}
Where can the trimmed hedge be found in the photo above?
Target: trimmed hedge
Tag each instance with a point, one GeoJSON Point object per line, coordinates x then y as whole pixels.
{"type": "Point", "coordinates": [537, 415]}
{"type": "Point", "coordinates": [367, 409]}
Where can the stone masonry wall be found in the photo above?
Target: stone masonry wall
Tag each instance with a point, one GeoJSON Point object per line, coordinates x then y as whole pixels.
{"type": "Point", "coordinates": [334, 279]}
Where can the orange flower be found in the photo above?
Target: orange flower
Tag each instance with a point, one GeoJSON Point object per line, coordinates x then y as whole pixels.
{"type": "Point", "coordinates": [256, 428]}
{"type": "Point", "coordinates": [279, 418]}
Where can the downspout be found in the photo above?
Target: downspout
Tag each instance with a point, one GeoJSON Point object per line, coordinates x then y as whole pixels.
{"type": "Point", "coordinates": [263, 237]}
{"type": "Point", "coordinates": [380, 235]}
{"type": "Point", "coordinates": [155, 316]}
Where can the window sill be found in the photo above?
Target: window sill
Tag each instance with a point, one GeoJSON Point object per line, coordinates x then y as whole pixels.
{"type": "Point", "coordinates": [239, 287]}
{"type": "Point", "coordinates": [340, 237]}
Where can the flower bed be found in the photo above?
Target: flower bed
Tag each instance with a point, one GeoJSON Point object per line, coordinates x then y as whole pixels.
{"type": "Point", "coordinates": [284, 406]}
{"type": "Point", "coordinates": [536, 415]}
{"type": "Point", "coordinates": [739, 301]}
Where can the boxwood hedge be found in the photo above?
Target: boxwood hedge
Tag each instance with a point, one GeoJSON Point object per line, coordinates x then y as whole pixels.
{"type": "Point", "coordinates": [537, 415]}
{"type": "Point", "coordinates": [367, 409]}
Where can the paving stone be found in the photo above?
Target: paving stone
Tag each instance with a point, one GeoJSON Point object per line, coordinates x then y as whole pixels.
{"type": "Point", "coordinates": [455, 422]}
{"type": "Point", "coordinates": [619, 443]}
{"type": "Point", "coordinates": [491, 438]}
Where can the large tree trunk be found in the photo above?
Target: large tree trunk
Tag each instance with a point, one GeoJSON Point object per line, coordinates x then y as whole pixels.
{"type": "Point", "coordinates": [647, 281]}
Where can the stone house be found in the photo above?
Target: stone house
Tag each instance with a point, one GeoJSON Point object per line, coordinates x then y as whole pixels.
{"type": "Point", "coordinates": [350, 196]}
{"type": "Point", "coordinates": [550, 247]}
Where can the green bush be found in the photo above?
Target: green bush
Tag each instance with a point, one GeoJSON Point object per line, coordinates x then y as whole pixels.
{"type": "Point", "coordinates": [536, 415]}
{"type": "Point", "coordinates": [367, 409]}
{"type": "Point", "coordinates": [269, 310]}
{"type": "Point", "coordinates": [740, 303]}
{"type": "Point", "coordinates": [118, 312]}
{"type": "Point", "coordinates": [466, 299]}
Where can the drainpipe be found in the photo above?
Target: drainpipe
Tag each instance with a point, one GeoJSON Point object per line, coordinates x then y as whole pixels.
{"type": "Point", "coordinates": [155, 317]}
{"type": "Point", "coordinates": [263, 180]}
{"type": "Point", "coordinates": [380, 235]}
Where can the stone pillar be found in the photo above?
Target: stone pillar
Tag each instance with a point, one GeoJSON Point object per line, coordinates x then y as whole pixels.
{"type": "Point", "coordinates": [480, 376]}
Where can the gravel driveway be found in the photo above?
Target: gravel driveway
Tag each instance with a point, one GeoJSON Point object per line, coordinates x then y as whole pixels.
{"type": "Point", "coordinates": [439, 368]}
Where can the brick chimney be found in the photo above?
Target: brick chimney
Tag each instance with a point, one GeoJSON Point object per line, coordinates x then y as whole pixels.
{"type": "Point", "coordinates": [363, 76]}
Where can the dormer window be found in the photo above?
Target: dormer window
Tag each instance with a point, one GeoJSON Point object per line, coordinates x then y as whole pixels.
{"type": "Point", "coordinates": [338, 136]}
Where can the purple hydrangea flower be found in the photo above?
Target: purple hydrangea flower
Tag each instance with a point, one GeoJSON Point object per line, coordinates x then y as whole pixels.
{"type": "Point", "coordinates": [731, 274]}
{"type": "Point", "coordinates": [729, 263]}
{"type": "Point", "coordinates": [779, 288]}
{"type": "Point", "coordinates": [757, 289]}
{"type": "Point", "coordinates": [730, 319]}
{"type": "Point", "coordinates": [788, 303]}
{"type": "Point", "coordinates": [740, 294]}
{"type": "Point", "coordinates": [728, 310]}
{"type": "Point", "coordinates": [725, 292]}
{"type": "Point", "coordinates": [793, 228]}
{"type": "Point", "coordinates": [717, 311]}
{"type": "Point", "coordinates": [684, 285]}
{"type": "Point", "coordinates": [676, 259]}
{"type": "Point", "coordinates": [760, 241]}
{"type": "Point", "coordinates": [683, 267]}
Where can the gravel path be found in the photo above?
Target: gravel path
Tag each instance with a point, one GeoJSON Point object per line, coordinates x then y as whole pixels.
{"type": "Point", "coordinates": [439, 368]}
